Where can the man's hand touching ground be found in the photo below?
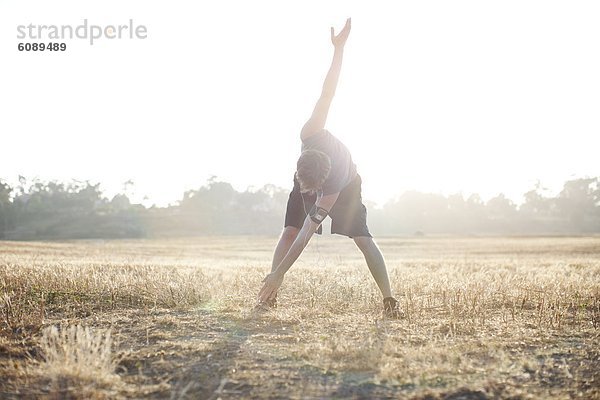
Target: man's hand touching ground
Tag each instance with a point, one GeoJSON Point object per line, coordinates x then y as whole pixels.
{"type": "Point", "coordinates": [272, 283]}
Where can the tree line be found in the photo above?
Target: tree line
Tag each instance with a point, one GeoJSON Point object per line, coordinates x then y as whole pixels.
{"type": "Point", "coordinates": [57, 210]}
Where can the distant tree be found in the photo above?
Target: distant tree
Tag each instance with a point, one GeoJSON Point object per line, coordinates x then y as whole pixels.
{"type": "Point", "coordinates": [53, 198]}
{"type": "Point", "coordinates": [56, 210]}
{"type": "Point", "coordinates": [578, 202]}
{"type": "Point", "coordinates": [414, 211]}
{"type": "Point", "coordinates": [120, 202]}
{"type": "Point", "coordinates": [217, 208]}
{"type": "Point", "coordinates": [5, 208]}
{"type": "Point", "coordinates": [501, 213]}
{"type": "Point", "coordinates": [457, 211]}
{"type": "Point", "coordinates": [537, 205]}
{"type": "Point", "coordinates": [48, 210]}
{"type": "Point", "coordinates": [260, 211]}
{"type": "Point", "coordinates": [5, 192]}
{"type": "Point", "coordinates": [207, 209]}
{"type": "Point", "coordinates": [476, 217]}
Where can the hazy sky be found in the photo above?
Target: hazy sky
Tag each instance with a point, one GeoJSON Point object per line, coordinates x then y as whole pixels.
{"type": "Point", "coordinates": [436, 96]}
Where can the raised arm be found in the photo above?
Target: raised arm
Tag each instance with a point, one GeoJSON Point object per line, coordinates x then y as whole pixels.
{"type": "Point", "coordinates": [319, 115]}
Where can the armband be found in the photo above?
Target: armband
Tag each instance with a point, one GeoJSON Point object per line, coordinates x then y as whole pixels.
{"type": "Point", "coordinates": [318, 214]}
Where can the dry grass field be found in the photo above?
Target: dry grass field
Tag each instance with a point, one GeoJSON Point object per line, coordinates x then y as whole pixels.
{"type": "Point", "coordinates": [485, 318]}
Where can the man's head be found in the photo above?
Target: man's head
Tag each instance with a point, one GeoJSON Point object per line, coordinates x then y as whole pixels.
{"type": "Point", "coordinates": [312, 170]}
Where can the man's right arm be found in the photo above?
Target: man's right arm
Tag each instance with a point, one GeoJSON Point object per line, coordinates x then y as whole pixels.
{"type": "Point", "coordinates": [321, 110]}
{"type": "Point", "coordinates": [273, 281]}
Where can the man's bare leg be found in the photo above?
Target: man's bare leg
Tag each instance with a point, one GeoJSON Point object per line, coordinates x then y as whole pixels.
{"type": "Point", "coordinates": [376, 263]}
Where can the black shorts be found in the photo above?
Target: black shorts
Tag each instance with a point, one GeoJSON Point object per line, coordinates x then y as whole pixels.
{"type": "Point", "coordinates": [348, 214]}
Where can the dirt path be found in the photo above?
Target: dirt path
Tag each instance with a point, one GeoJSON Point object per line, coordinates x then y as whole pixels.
{"type": "Point", "coordinates": [203, 354]}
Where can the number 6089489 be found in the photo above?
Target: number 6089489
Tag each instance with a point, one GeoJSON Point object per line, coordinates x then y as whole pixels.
{"type": "Point", "coordinates": [51, 46]}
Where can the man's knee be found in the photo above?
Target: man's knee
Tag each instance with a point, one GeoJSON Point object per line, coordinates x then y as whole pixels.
{"type": "Point", "coordinates": [364, 243]}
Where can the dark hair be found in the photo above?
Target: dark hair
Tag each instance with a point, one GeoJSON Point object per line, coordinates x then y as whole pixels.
{"type": "Point", "coordinates": [312, 170]}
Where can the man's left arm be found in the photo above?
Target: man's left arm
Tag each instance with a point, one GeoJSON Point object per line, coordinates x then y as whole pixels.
{"type": "Point", "coordinates": [274, 280]}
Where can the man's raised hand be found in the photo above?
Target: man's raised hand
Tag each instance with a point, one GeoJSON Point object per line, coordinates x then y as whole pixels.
{"type": "Point", "coordinates": [339, 40]}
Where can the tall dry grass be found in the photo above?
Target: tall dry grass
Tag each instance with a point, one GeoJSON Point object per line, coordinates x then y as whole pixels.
{"type": "Point", "coordinates": [78, 359]}
{"type": "Point", "coordinates": [502, 316]}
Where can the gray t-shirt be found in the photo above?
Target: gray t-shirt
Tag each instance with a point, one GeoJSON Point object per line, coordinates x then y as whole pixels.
{"type": "Point", "coordinates": [343, 169]}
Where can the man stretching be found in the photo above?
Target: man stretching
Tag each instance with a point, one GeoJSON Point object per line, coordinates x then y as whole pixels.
{"type": "Point", "coordinates": [325, 183]}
